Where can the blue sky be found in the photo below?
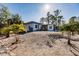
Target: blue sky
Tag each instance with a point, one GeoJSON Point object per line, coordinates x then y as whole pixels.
{"type": "Point", "coordinates": [34, 11]}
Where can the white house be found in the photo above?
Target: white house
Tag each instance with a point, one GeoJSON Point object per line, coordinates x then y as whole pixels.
{"type": "Point", "coordinates": [50, 27]}
{"type": "Point", "coordinates": [32, 26]}
{"type": "Point", "coordinates": [47, 26]}
{"type": "Point", "coordinates": [35, 26]}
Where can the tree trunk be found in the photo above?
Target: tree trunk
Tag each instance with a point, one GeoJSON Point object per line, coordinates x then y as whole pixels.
{"type": "Point", "coordinates": [62, 33]}
{"type": "Point", "coordinates": [7, 35]}
{"type": "Point", "coordinates": [69, 43]}
{"type": "Point", "coordinates": [72, 33]}
{"type": "Point", "coordinates": [78, 32]}
{"type": "Point", "coordinates": [69, 38]}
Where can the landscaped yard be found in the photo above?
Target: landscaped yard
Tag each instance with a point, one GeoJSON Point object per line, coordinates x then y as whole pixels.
{"type": "Point", "coordinates": [42, 44]}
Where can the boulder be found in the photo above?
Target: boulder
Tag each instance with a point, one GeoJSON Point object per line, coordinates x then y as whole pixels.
{"type": "Point", "coordinates": [12, 47]}
{"type": "Point", "coordinates": [20, 38]}
{"type": "Point", "coordinates": [4, 54]}
{"type": "Point", "coordinates": [8, 41]}
{"type": "Point", "coordinates": [12, 54]}
{"type": "Point", "coordinates": [0, 44]}
{"type": "Point", "coordinates": [2, 51]}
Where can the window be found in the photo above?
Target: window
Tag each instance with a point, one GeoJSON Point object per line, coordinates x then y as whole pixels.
{"type": "Point", "coordinates": [50, 27]}
{"type": "Point", "coordinates": [36, 26]}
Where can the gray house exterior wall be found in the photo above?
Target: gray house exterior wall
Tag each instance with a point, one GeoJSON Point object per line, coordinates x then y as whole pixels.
{"type": "Point", "coordinates": [34, 25]}
{"type": "Point", "coordinates": [50, 27]}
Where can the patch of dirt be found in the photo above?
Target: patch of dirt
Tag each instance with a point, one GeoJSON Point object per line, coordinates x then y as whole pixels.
{"type": "Point", "coordinates": [42, 44]}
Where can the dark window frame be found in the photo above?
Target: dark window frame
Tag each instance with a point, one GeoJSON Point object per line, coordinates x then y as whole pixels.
{"type": "Point", "coordinates": [36, 26]}
{"type": "Point", "coordinates": [50, 27]}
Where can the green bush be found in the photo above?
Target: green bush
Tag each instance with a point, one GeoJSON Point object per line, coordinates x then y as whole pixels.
{"type": "Point", "coordinates": [21, 28]}
{"type": "Point", "coordinates": [0, 31]}
{"type": "Point", "coordinates": [5, 30]}
{"type": "Point", "coordinates": [18, 28]}
{"type": "Point", "coordinates": [15, 28]}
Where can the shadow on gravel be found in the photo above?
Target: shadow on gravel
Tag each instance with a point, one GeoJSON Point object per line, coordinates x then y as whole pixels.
{"type": "Point", "coordinates": [75, 48]}
{"type": "Point", "coordinates": [55, 36]}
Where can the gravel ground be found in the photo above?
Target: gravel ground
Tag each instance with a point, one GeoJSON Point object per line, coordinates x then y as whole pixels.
{"type": "Point", "coordinates": [44, 44]}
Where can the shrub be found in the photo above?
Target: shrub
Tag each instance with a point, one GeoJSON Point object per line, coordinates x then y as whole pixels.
{"type": "Point", "coordinates": [21, 28]}
{"type": "Point", "coordinates": [5, 31]}
{"type": "Point", "coordinates": [18, 28]}
{"type": "Point", "coordinates": [15, 28]}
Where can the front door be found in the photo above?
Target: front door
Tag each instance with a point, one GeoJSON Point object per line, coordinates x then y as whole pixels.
{"type": "Point", "coordinates": [30, 29]}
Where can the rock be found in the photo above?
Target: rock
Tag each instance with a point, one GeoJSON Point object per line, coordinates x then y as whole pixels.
{"type": "Point", "coordinates": [20, 38]}
{"type": "Point", "coordinates": [3, 50]}
{"type": "Point", "coordinates": [4, 54]}
{"type": "Point", "coordinates": [8, 41]}
{"type": "Point", "coordinates": [0, 44]}
{"type": "Point", "coordinates": [12, 54]}
{"type": "Point", "coordinates": [12, 47]}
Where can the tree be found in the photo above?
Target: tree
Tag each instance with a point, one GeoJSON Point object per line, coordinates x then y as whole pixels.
{"type": "Point", "coordinates": [48, 16]}
{"type": "Point", "coordinates": [58, 18]}
{"type": "Point", "coordinates": [42, 20]}
{"type": "Point", "coordinates": [77, 27]}
{"type": "Point", "coordinates": [72, 19]}
{"type": "Point", "coordinates": [16, 19]}
{"type": "Point", "coordinates": [71, 27]}
{"type": "Point", "coordinates": [57, 12]}
{"type": "Point", "coordinates": [7, 21]}
{"type": "Point", "coordinates": [55, 19]}
{"type": "Point", "coordinates": [73, 22]}
{"type": "Point", "coordinates": [4, 16]}
{"type": "Point", "coordinates": [67, 28]}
